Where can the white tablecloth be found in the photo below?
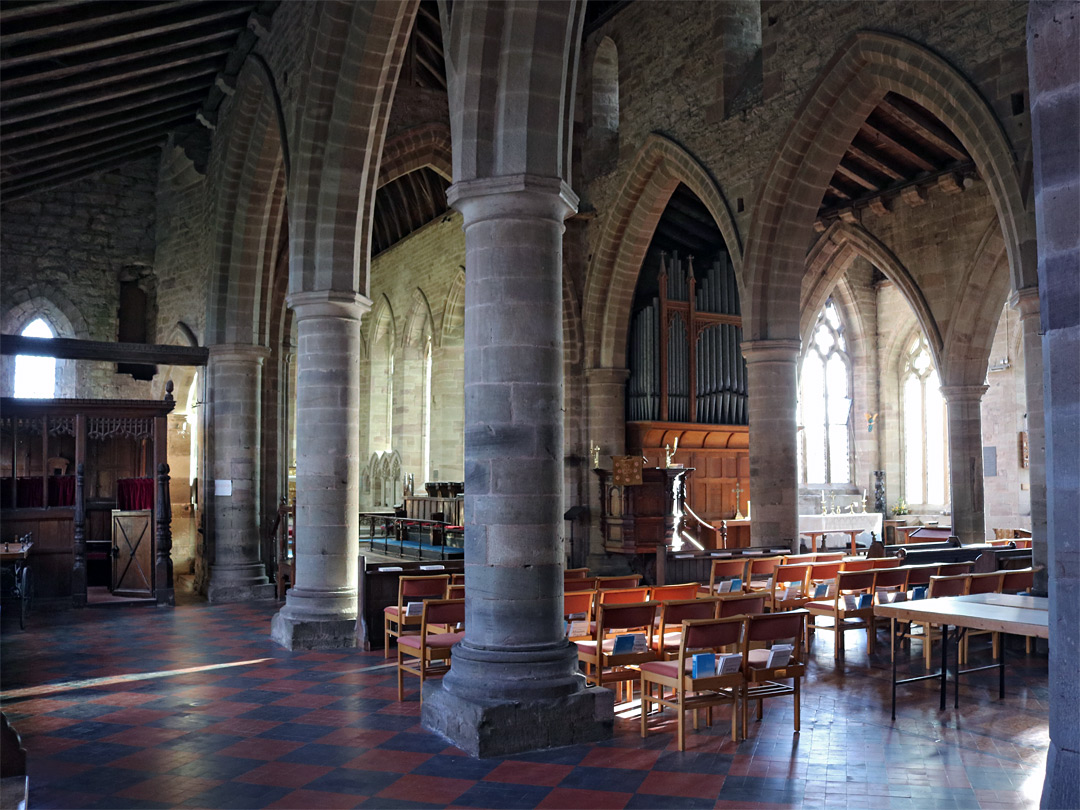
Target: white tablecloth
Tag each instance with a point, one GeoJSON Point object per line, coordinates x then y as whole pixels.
{"type": "Point", "coordinates": [865, 521]}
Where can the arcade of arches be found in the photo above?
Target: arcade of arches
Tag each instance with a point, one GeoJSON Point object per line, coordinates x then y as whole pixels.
{"type": "Point", "coordinates": [451, 262]}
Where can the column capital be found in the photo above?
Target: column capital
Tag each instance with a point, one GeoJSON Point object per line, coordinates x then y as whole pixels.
{"type": "Point", "coordinates": [516, 195]}
{"type": "Point", "coordinates": [238, 351]}
{"type": "Point", "coordinates": [328, 304]}
{"type": "Point", "coordinates": [957, 394]}
{"type": "Point", "coordinates": [600, 375]}
{"type": "Point", "coordinates": [1026, 302]}
{"type": "Point", "coordinates": [782, 350]}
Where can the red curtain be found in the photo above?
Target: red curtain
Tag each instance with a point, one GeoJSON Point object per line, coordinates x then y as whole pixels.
{"type": "Point", "coordinates": [62, 490]}
{"type": "Point", "coordinates": [135, 493]}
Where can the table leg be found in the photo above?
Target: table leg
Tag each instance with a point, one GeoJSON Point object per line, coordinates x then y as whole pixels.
{"type": "Point", "coordinates": [960, 631]}
{"type": "Point", "coordinates": [944, 661]}
{"type": "Point", "coordinates": [892, 641]}
{"type": "Point", "coordinates": [1001, 667]}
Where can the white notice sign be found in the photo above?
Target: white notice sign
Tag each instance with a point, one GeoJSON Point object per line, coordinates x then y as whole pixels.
{"type": "Point", "coordinates": [223, 486]}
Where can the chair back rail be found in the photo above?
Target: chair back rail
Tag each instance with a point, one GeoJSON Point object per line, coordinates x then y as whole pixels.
{"type": "Point", "coordinates": [582, 584]}
{"type": "Point", "coordinates": [985, 583]}
{"type": "Point", "coordinates": [575, 573]}
{"type": "Point", "coordinates": [709, 634]}
{"type": "Point", "coordinates": [578, 602]}
{"type": "Point", "coordinates": [1020, 580]}
{"type": "Point", "coordinates": [663, 593]}
{"type": "Point", "coordinates": [611, 618]}
{"type": "Point", "coordinates": [741, 604]}
{"type": "Point", "coordinates": [611, 583]}
{"type": "Point", "coordinates": [623, 596]}
{"type": "Point", "coordinates": [955, 585]}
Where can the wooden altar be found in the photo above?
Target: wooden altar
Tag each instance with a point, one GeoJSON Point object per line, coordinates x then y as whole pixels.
{"type": "Point", "coordinates": [88, 479]}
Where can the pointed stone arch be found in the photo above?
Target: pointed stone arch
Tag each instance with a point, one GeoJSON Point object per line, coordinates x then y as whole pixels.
{"type": "Point", "coordinates": [383, 321]}
{"type": "Point", "coordinates": [250, 221]}
{"type": "Point", "coordinates": [427, 145]}
{"type": "Point", "coordinates": [418, 323]}
{"type": "Point", "coordinates": [864, 69]}
{"type": "Point", "coordinates": [453, 316]}
{"type": "Point", "coordinates": [830, 258]}
{"type": "Point", "coordinates": [357, 49]}
{"type": "Point", "coordinates": [657, 170]}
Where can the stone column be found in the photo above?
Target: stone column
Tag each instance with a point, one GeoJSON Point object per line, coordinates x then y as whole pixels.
{"type": "Point", "coordinates": [772, 378]}
{"type": "Point", "coordinates": [607, 427]}
{"type": "Point", "coordinates": [320, 610]}
{"type": "Point", "coordinates": [514, 684]}
{"type": "Point", "coordinates": [966, 461]}
{"type": "Point", "coordinates": [1026, 302]}
{"type": "Point", "coordinates": [1053, 41]}
{"type": "Point", "coordinates": [237, 572]}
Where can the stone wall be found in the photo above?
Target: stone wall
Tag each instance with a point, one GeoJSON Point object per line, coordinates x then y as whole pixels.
{"type": "Point", "coordinates": [68, 249]}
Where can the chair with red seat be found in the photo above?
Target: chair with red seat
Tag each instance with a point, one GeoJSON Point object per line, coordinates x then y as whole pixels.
{"type": "Point", "coordinates": [622, 596]}
{"type": "Point", "coordinates": [844, 611]}
{"type": "Point", "coordinates": [762, 679]}
{"type": "Point", "coordinates": [396, 621]}
{"type": "Point", "coordinates": [427, 653]}
{"type": "Point", "coordinates": [579, 584]}
{"type": "Point", "coordinates": [602, 664]}
{"type": "Point", "coordinates": [788, 590]}
{"type": "Point", "coordinates": [954, 585]}
{"type": "Point", "coordinates": [672, 614]}
{"type": "Point", "coordinates": [759, 571]}
{"type": "Point", "coordinates": [663, 593]}
{"type": "Point", "coordinates": [982, 583]}
{"type": "Point", "coordinates": [578, 607]}
{"type": "Point", "coordinates": [723, 570]}
{"type": "Point", "coordinates": [690, 693]}
{"type": "Point", "coordinates": [740, 604]}
{"type": "Point", "coordinates": [615, 583]}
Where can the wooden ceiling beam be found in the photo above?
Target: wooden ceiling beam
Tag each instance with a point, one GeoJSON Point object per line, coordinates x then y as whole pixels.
{"type": "Point", "coordinates": [106, 151]}
{"type": "Point", "coordinates": [9, 15]}
{"type": "Point", "coordinates": [68, 99]}
{"type": "Point", "coordinates": [21, 140]}
{"type": "Point", "coordinates": [205, 41]}
{"type": "Point", "coordinates": [137, 36]}
{"type": "Point", "coordinates": [52, 180]}
{"type": "Point", "coordinates": [880, 135]}
{"type": "Point", "coordinates": [852, 172]}
{"type": "Point", "coordinates": [104, 351]}
{"type": "Point", "coordinates": [878, 161]}
{"type": "Point", "coordinates": [54, 153]}
{"type": "Point", "coordinates": [48, 118]}
{"type": "Point", "coordinates": [925, 125]}
{"type": "Point", "coordinates": [131, 12]}
{"type": "Point", "coordinates": [436, 74]}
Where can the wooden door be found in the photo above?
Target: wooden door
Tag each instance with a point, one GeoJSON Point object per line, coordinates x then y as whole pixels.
{"type": "Point", "coordinates": [133, 553]}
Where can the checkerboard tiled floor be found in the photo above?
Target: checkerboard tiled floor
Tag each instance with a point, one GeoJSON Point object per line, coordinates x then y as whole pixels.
{"type": "Point", "coordinates": [195, 707]}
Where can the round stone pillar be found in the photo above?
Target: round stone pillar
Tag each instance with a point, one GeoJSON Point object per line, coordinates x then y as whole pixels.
{"type": "Point", "coordinates": [235, 392]}
{"type": "Point", "coordinates": [1026, 302]}
{"type": "Point", "coordinates": [320, 609]}
{"type": "Point", "coordinates": [772, 384]}
{"type": "Point", "coordinates": [966, 461]}
{"type": "Point", "coordinates": [514, 683]}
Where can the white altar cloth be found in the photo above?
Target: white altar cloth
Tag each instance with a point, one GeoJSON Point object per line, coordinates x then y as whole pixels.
{"type": "Point", "coordinates": [845, 522]}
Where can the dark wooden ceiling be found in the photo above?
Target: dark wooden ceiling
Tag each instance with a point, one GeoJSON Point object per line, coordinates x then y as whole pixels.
{"type": "Point", "coordinates": [406, 205]}
{"type": "Point", "coordinates": [899, 144]}
{"type": "Point", "coordinates": [87, 85]}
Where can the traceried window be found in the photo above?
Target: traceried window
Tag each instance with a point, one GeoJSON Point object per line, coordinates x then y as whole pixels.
{"type": "Point", "coordinates": [825, 402]}
{"type": "Point", "coordinates": [926, 462]}
{"type": "Point", "coordinates": [35, 376]}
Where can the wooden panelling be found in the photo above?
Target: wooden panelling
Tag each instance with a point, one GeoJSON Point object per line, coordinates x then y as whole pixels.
{"type": "Point", "coordinates": [52, 556]}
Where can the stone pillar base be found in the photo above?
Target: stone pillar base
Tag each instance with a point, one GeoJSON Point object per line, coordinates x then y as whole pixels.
{"type": "Point", "coordinates": [239, 592]}
{"type": "Point", "coordinates": [492, 728]}
{"type": "Point", "coordinates": [1062, 784]}
{"type": "Point", "coordinates": [312, 634]}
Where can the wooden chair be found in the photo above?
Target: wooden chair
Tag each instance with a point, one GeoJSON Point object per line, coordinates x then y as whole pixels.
{"type": "Point", "coordinates": [410, 589]}
{"type": "Point", "coordinates": [844, 618]}
{"type": "Point", "coordinates": [663, 593]}
{"type": "Point", "coordinates": [860, 564]}
{"type": "Point", "coordinates": [762, 680]}
{"type": "Point", "coordinates": [954, 569]}
{"type": "Point", "coordinates": [602, 666]}
{"type": "Point", "coordinates": [578, 606]}
{"type": "Point", "coordinates": [886, 562]}
{"type": "Point", "coordinates": [740, 604]}
{"type": "Point", "coordinates": [585, 584]}
{"type": "Point", "coordinates": [672, 614]}
{"type": "Point", "coordinates": [950, 585]}
{"type": "Point", "coordinates": [457, 579]}
{"type": "Point", "coordinates": [721, 570]}
{"type": "Point", "coordinates": [284, 530]}
{"type": "Point", "coordinates": [982, 583]}
{"type": "Point", "coordinates": [759, 571]}
{"type": "Point", "coordinates": [575, 573]}
{"type": "Point", "coordinates": [622, 596]}
{"type": "Point", "coordinates": [612, 583]}
{"type": "Point", "coordinates": [690, 693]}
{"type": "Point", "coordinates": [888, 581]}
{"type": "Point", "coordinates": [784, 579]}
{"type": "Point", "coordinates": [822, 573]}
{"type": "Point", "coordinates": [1019, 580]}
{"type": "Point", "coordinates": [427, 653]}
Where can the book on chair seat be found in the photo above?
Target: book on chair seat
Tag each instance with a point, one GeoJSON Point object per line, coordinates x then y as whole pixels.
{"type": "Point", "coordinates": [704, 665]}
{"type": "Point", "coordinates": [629, 643]}
{"type": "Point", "coordinates": [728, 664]}
{"type": "Point", "coordinates": [779, 655]}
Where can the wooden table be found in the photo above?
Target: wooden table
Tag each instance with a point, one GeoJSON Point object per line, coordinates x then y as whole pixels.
{"type": "Point", "coordinates": [999, 612]}
{"type": "Point", "coordinates": [850, 523]}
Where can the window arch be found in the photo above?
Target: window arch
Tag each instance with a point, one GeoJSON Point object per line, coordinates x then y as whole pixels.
{"type": "Point", "coordinates": [825, 402]}
{"type": "Point", "coordinates": [36, 376]}
{"type": "Point", "coordinates": [925, 426]}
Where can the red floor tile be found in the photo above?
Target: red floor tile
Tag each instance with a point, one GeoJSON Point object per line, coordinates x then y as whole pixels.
{"type": "Point", "coordinates": [429, 789]}
{"type": "Point", "coordinates": [529, 773]}
{"type": "Point", "coordinates": [284, 774]}
{"type": "Point", "coordinates": [572, 799]}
